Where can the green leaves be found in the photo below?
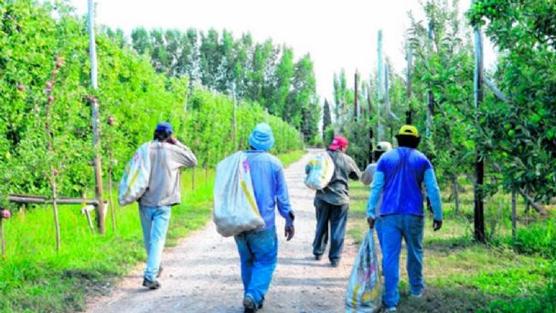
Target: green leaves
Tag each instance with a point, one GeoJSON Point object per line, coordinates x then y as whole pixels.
{"type": "Point", "coordinates": [131, 92]}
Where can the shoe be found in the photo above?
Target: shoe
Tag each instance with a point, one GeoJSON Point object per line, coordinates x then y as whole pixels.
{"type": "Point", "coordinates": [159, 271]}
{"type": "Point", "coordinates": [335, 263]}
{"type": "Point", "coordinates": [151, 284]}
{"type": "Point", "coordinates": [416, 295]}
{"type": "Point", "coordinates": [318, 257]}
{"type": "Point", "coordinates": [249, 304]}
{"type": "Point", "coordinates": [391, 309]}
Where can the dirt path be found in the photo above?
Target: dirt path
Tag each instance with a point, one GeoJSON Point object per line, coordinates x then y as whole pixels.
{"type": "Point", "coordinates": [202, 274]}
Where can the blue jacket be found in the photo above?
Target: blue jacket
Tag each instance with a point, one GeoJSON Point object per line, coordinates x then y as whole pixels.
{"type": "Point", "coordinates": [269, 185]}
{"type": "Point", "coordinates": [399, 176]}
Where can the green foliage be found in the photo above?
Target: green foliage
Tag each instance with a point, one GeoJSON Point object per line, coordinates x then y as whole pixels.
{"type": "Point", "coordinates": [131, 91]}
{"type": "Point", "coordinates": [464, 276]}
{"type": "Point", "coordinates": [326, 117]}
{"type": "Point", "coordinates": [444, 67]}
{"type": "Point", "coordinates": [521, 131]}
{"type": "Point", "coordinates": [357, 132]}
{"type": "Point", "coordinates": [537, 239]}
{"type": "Point", "coordinates": [260, 72]}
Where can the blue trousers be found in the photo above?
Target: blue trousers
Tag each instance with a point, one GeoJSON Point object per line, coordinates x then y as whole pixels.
{"type": "Point", "coordinates": [336, 216]}
{"type": "Point", "coordinates": [258, 252]}
{"type": "Point", "coordinates": [154, 221]}
{"type": "Point", "coordinates": [390, 230]}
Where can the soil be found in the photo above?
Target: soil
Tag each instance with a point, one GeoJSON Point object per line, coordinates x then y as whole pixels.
{"type": "Point", "coordinates": [202, 274]}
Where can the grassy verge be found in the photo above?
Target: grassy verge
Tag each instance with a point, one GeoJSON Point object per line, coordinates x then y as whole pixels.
{"type": "Point", "coordinates": [463, 276]}
{"type": "Point", "coordinates": [36, 278]}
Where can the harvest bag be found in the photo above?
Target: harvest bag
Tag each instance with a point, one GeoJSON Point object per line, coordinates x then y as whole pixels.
{"type": "Point", "coordinates": [135, 180]}
{"type": "Point", "coordinates": [364, 289]}
{"type": "Point", "coordinates": [321, 169]}
{"type": "Point", "coordinates": [235, 208]}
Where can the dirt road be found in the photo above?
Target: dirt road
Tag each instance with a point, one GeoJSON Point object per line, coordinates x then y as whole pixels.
{"type": "Point", "coordinates": [202, 274]}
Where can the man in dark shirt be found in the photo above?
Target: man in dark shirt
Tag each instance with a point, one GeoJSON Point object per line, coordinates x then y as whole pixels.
{"type": "Point", "coordinates": [332, 202]}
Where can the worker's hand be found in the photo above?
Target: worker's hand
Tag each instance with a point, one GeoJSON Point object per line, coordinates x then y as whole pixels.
{"type": "Point", "coordinates": [436, 225]}
{"type": "Point", "coordinates": [172, 140]}
{"type": "Point", "coordinates": [371, 222]}
{"type": "Point", "coordinates": [289, 232]}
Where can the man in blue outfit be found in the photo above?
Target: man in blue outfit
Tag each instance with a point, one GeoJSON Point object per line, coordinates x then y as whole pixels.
{"type": "Point", "coordinates": [258, 249]}
{"type": "Point", "coordinates": [399, 176]}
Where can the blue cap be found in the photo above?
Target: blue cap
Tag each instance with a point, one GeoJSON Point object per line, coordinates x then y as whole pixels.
{"type": "Point", "coordinates": [164, 127]}
{"type": "Point", "coordinates": [262, 138]}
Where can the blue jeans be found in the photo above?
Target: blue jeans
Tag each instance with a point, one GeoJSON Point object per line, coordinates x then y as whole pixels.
{"type": "Point", "coordinates": [154, 221]}
{"type": "Point", "coordinates": [258, 251]}
{"type": "Point", "coordinates": [336, 215]}
{"type": "Point", "coordinates": [390, 230]}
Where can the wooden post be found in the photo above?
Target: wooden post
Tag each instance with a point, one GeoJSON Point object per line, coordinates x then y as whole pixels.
{"type": "Point", "coordinates": [409, 91]}
{"type": "Point", "coordinates": [430, 95]}
{"type": "Point", "coordinates": [455, 190]}
{"type": "Point", "coordinates": [380, 88]}
{"type": "Point", "coordinates": [387, 107]}
{"type": "Point", "coordinates": [514, 214]}
{"type": "Point", "coordinates": [479, 219]}
{"type": "Point", "coordinates": [234, 118]}
{"type": "Point", "coordinates": [87, 211]}
{"type": "Point", "coordinates": [96, 122]}
{"type": "Point", "coordinates": [111, 206]}
{"type": "Point", "coordinates": [356, 96]}
{"type": "Point", "coordinates": [53, 172]}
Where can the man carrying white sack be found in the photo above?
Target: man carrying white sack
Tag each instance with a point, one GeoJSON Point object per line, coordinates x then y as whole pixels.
{"type": "Point", "coordinates": [258, 249]}
{"type": "Point", "coordinates": [167, 156]}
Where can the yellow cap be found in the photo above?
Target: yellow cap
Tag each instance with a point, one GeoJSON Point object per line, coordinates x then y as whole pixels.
{"type": "Point", "coordinates": [409, 130]}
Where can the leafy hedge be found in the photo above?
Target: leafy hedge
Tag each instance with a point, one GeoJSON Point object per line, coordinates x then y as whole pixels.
{"type": "Point", "coordinates": [34, 36]}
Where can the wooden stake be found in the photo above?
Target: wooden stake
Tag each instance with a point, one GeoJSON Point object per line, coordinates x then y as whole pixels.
{"type": "Point", "coordinates": [53, 172]}
{"type": "Point", "coordinates": [356, 96]}
{"type": "Point", "coordinates": [430, 95]}
{"type": "Point", "coordinates": [514, 214]}
{"type": "Point", "coordinates": [111, 191]}
{"type": "Point", "coordinates": [96, 123]}
{"type": "Point", "coordinates": [455, 190]}
{"type": "Point", "coordinates": [380, 88]}
{"type": "Point", "coordinates": [479, 219]}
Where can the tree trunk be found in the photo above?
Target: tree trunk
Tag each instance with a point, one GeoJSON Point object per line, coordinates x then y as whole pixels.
{"type": "Point", "coordinates": [455, 192]}
{"type": "Point", "coordinates": [111, 191]}
{"type": "Point", "coordinates": [514, 215]}
{"type": "Point", "coordinates": [479, 161]}
{"type": "Point", "coordinates": [539, 208]}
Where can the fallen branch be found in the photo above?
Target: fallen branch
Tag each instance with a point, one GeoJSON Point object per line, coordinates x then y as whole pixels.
{"type": "Point", "coordinates": [539, 208]}
{"type": "Point", "coordinates": [44, 200]}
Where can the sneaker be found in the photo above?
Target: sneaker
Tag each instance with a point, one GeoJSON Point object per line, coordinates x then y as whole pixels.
{"type": "Point", "coordinates": [318, 257]}
{"type": "Point", "coordinates": [159, 271]}
{"type": "Point", "coordinates": [249, 304]}
{"type": "Point", "coordinates": [335, 263]}
{"type": "Point", "coordinates": [391, 309]}
{"type": "Point", "coordinates": [151, 284]}
{"type": "Point", "coordinates": [416, 295]}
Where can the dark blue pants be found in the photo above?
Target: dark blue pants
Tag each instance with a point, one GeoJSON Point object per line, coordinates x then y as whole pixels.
{"type": "Point", "coordinates": [330, 218]}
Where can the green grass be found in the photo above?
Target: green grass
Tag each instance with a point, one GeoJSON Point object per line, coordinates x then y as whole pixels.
{"type": "Point", "coordinates": [36, 278]}
{"type": "Point", "coordinates": [504, 275]}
